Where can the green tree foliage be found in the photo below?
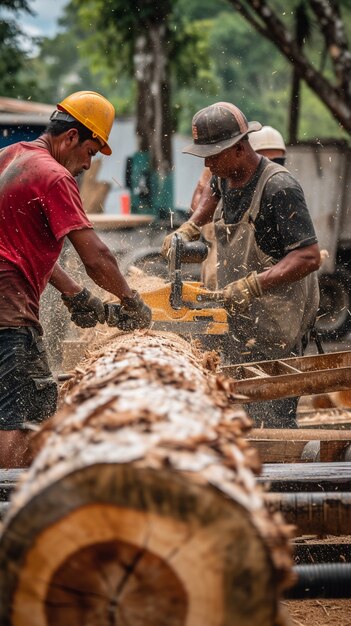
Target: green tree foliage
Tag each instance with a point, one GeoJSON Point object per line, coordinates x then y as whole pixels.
{"type": "Point", "coordinates": [12, 57]}
{"type": "Point", "coordinates": [59, 66]}
{"type": "Point", "coordinates": [152, 42]}
{"type": "Point", "coordinates": [214, 54]}
{"type": "Point", "coordinates": [112, 27]}
{"type": "Point", "coordinates": [252, 72]}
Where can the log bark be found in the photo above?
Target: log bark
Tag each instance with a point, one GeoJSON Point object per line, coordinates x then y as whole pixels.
{"type": "Point", "coordinates": [141, 507]}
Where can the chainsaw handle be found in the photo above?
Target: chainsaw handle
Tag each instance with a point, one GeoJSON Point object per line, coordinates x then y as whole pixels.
{"type": "Point", "coordinates": [193, 251]}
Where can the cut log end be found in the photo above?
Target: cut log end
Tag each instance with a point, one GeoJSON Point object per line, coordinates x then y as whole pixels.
{"type": "Point", "coordinates": [119, 583]}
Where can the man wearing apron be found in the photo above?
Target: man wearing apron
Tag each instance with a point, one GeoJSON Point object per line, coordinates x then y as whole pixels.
{"type": "Point", "coordinates": [268, 142]}
{"type": "Point", "coordinates": [267, 251]}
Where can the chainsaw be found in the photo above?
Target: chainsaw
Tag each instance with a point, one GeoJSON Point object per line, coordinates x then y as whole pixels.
{"type": "Point", "coordinates": [182, 306]}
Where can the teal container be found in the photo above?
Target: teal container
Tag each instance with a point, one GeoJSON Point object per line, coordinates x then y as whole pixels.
{"type": "Point", "coordinates": [150, 193]}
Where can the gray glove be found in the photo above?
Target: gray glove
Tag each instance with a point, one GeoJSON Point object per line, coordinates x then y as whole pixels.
{"type": "Point", "coordinates": [86, 310]}
{"type": "Point", "coordinates": [133, 313]}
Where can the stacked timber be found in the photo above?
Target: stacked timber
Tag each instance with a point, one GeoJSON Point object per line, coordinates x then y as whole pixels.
{"type": "Point", "coordinates": [141, 507]}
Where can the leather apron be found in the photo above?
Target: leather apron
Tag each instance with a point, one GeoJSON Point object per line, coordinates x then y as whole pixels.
{"type": "Point", "coordinates": [277, 321]}
{"type": "Point", "coordinates": [209, 265]}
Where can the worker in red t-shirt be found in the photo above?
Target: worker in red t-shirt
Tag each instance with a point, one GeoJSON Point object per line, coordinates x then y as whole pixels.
{"type": "Point", "coordinates": [40, 205]}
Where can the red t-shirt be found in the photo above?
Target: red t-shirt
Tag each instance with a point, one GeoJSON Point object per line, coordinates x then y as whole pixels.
{"type": "Point", "coordinates": [39, 205]}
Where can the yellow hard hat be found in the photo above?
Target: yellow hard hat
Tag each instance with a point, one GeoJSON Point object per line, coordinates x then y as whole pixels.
{"type": "Point", "coordinates": [93, 111]}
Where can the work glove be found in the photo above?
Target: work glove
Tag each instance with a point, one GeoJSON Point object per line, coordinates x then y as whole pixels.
{"type": "Point", "coordinates": [238, 296]}
{"type": "Point", "coordinates": [188, 231]}
{"type": "Point", "coordinates": [131, 314]}
{"type": "Point", "coordinates": [86, 310]}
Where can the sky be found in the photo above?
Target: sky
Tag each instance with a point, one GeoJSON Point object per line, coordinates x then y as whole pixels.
{"type": "Point", "coordinates": [44, 22]}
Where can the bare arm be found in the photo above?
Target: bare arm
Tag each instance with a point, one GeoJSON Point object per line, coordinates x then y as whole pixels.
{"type": "Point", "coordinates": [99, 262]}
{"type": "Point", "coordinates": [63, 282]}
{"type": "Point", "coordinates": [201, 184]}
{"type": "Point", "coordinates": [292, 267]}
{"type": "Point", "coordinates": [206, 207]}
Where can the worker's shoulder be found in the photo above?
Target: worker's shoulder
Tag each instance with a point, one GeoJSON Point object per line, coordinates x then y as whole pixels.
{"type": "Point", "coordinates": [280, 181]}
{"type": "Point", "coordinates": [42, 164]}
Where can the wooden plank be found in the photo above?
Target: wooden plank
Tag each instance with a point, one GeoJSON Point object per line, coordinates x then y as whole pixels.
{"type": "Point", "coordinates": [277, 451]}
{"type": "Point", "coordinates": [284, 445]}
{"type": "Point", "coordinates": [288, 368]}
{"type": "Point", "coordinates": [332, 451]}
{"type": "Point", "coordinates": [282, 451]}
{"type": "Point", "coordinates": [326, 418]}
{"type": "Point", "coordinates": [300, 434]}
{"type": "Point", "coordinates": [114, 222]}
{"type": "Point", "coordinates": [256, 371]}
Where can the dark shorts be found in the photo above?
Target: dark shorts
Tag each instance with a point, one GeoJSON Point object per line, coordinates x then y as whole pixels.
{"type": "Point", "coordinates": [28, 392]}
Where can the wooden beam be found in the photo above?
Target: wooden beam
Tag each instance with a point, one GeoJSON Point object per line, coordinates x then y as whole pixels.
{"type": "Point", "coordinates": [299, 434]}
{"type": "Point", "coordinates": [279, 451]}
{"type": "Point", "coordinates": [285, 451]}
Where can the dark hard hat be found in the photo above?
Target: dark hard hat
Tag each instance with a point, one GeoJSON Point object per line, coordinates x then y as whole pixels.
{"type": "Point", "coordinates": [218, 127]}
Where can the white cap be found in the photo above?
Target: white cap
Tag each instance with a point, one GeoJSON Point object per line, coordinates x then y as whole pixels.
{"type": "Point", "coordinates": [267, 138]}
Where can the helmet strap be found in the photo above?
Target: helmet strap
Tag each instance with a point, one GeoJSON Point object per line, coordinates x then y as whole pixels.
{"type": "Point", "coordinates": [62, 117]}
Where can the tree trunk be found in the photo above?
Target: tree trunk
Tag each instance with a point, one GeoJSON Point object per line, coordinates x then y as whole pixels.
{"type": "Point", "coordinates": [141, 507]}
{"type": "Point", "coordinates": [294, 107]}
{"type": "Point", "coordinates": [154, 126]}
{"type": "Point", "coordinates": [154, 129]}
{"type": "Point", "coordinates": [302, 32]}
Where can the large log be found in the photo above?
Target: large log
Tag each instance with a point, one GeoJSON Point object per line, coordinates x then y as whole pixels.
{"type": "Point", "coordinates": [334, 476]}
{"type": "Point", "coordinates": [314, 513]}
{"type": "Point", "coordinates": [141, 507]}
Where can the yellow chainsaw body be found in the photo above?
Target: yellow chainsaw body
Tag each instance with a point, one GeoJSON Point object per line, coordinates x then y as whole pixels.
{"type": "Point", "coordinates": [209, 320]}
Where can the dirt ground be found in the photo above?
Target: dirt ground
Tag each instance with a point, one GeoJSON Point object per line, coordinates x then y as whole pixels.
{"type": "Point", "coordinates": [319, 612]}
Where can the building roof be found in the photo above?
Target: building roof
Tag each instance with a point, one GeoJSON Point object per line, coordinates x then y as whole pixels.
{"type": "Point", "coordinates": [25, 107]}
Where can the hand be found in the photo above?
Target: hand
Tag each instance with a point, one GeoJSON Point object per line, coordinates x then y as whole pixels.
{"type": "Point", "coordinates": [239, 295]}
{"type": "Point", "coordinates": [188, 231]}
{"type": "Point", "coordinates": [133, 313]}
{"type": "Point", "coordinates": [86, 310]}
